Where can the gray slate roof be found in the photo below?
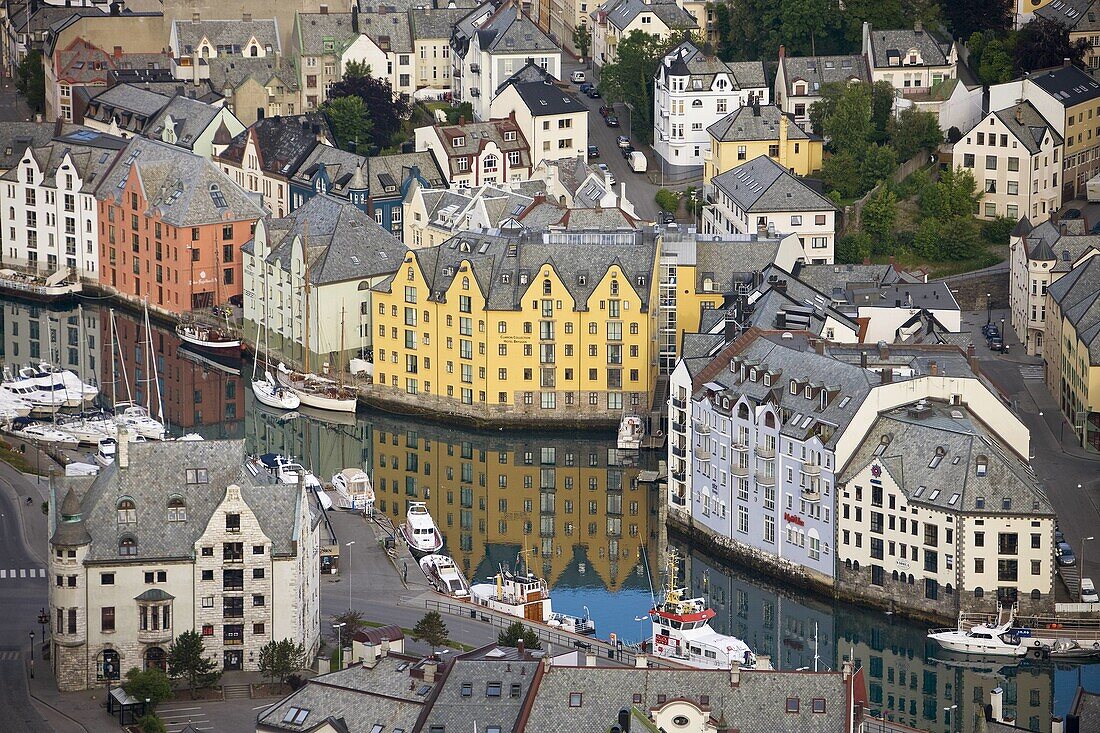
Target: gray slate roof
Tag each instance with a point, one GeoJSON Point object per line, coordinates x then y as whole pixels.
{"type": "Point", "coordinates": [475, 135]}
{"type": "Point", "coordinates": [757, 703]}
{"type": "Point", "coordinates": [129, 105]}
{"type": "Point", "coordinates": [1077, 294]}
{"type": "Point", "coordinates": [340, 164]}
{"type": "Point", "coordinates": [818, 71]}
{"type": "Point", "coordinates": [390, 32]}
{"type": "Point", "coordinates": [1068, 85]}
{"type": "Point", "coordinates": [621, 13]}
{"type": "Point", "coordinates": [226, 33]}
{"type": "Point", "coordinates": [509, 31]}
{"type": "Point", "coordinates": [455, 711]}
{"type": "Point", "coordinates": [687, 59]}
{"type": "Point", "coordinates": [91, 160]}
{"type": "Point", "coordinates": [1048, 242]}
{"type": "Point", "coordinates": [762, 184]}
{"type": "Point", "coordinates": [190, 118]}
{"type": "Point", "coordinates": [282, 142]}
{"type": "Point", "coordinates": [914, 437]}
{"type": "Point", "coordinates": [231, 72]}
{"type": "Point", "coordinates": [15, 137]}
{"type": "Point", "coordinates": [897, 43]}
{"type": "Point", "coordinates": [314, 29]}
{"type": "Point", "coordinates": [1072, 14]}
{"type": "Point", "coordinates": [828, 278]}
{"type": "Point", "coordinates": [433, 23]}
{"type": "Point", "coordinates": [156, 472]}
{"type": "Point", "coordinates": [755, 123]}
{"type": "Point", "coordinates": [343, 242]}
{"type": "Point", "coordinates": [544, 98]}
{"type": "Point", "coordinates": [385, 172]}
{"type": "Point", "coordinates": [1029, 127]}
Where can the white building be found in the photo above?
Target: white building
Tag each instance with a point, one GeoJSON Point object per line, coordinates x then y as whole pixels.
{"type": "Point", "coordinates": [489, 45]}
{"type": "Point", "coordinates": [52, 220]}
{"type": "Point", "coordinates": [476, 153]}
{"type": "Point", "coordinates": [1015, 156]}
{"type": "Point", "coordinates": [912, 60]}
{"type": "Point", "coordinates": [617, 19]}
{"type": "Point", "coordinates": [760, 196]}
{"type": "Point", "coordinates": [693, 91]}
{"type": "Point", "coordinates": [575, 183]}
{"type": "Point", "coordinates": [553, 119]}
{"type": "Point", "coordinates": [171, 539]}
{"type": "Point", "coordinates": [799, 79]}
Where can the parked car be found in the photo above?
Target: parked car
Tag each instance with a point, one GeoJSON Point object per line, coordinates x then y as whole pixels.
{"type": "Point", "coordinates": [622, 141]}
{"type": "Point", "coordinates": [1064, 555]}
{"type": "Point", "coordinates": [627, 151]}
{"type": "Point", "coordinates": [992, 333]}
{"type": "Point", "coordinates": [638, 162]}
{"type": "Point", "coordinates": [998, 345]}
{"type": "Point", "coordinates": [1071, 214]}
{"type": "Point", "coordinates": [666, 217]}
{"type": "Point", "coordinates": [586, 87]}
{"type": "Point", "coordinates": [986, 328]}
{"type": "Point", "coordinates": [612, 121]}
{"type": "Point", "coordinates": [1088, 591]}
{"type": "Point", "coordinates": [1058, 536]}
{"type": "Point", "coordinates": [593, 93]}
{"type": "Point", "coordinates": [607, 110]}
{"type": "Point", "coordinates": [593, 151]}
{"type": "Point", "coordinates": [607, 173]}
{"type": "Point", "coordinates": [577, 77]}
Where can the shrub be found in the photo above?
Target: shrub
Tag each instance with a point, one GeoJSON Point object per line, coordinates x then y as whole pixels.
{"type": "Point", "coordinates": [997, 231]}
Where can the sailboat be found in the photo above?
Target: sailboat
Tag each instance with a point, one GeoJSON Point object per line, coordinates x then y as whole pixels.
{"type": "Point", "coordinates": [267, 390]}
{"type": "Point", "coordinates": [312, 389]}
{"type": "Point", "coordinates": [129, 414]}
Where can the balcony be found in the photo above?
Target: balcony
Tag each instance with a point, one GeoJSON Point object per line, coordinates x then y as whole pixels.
{"type": "Point", "coordinates": [765, 479]}
{"type": "Point", "coordinates": [679, 451]}
{"type": "Point", "coordinates": [679, 475]}
{"type": "Point", "coordinates": [700, 427]}
{"type": "Point", "coordinates": [680, 427]}
{"type": "Point", "coordinates": [678, 403]}
{"type": "Point", "coordinates": [154, 636]}
{"type": "Point", "coordinates": [703, 454]}
{"type": "Point", "coordinates": [765, 454]}
{"type": "Point", "coordinates": [741, 471]}
{"type": "Point", "coordinates": [678, 500]}
{"type": "Point", "coordinates": [740, 447]}
{"type": "Point", "coordinates": [811, 469]}
{"type": "Point", "coordinates": [811, 493]}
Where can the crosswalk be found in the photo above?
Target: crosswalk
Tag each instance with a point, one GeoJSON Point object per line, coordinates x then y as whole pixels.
{"type": "Point", "coordinates": [1032, 371]}
{"type": "Point", "coordinates": [22, 573]}
{"type": "Point", "coordinates": [10, 655]}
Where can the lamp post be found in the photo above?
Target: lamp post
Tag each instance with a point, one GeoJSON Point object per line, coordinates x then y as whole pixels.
{"type": "Point", "coordinates": [339, 644]}
{"type": "Point", "coordinates": [32, 654]}
{"type": "Point", "coordinates": [641, 633]}
{"type": "Point", "coordinates": [348, 545]}
{"type": "Point", "coordinates": [1081, 574]}
{"type": "Point", "coordinates": [43, 619]}
{"type": "Point", "coordinates": [988, 308]}
{"type": "Point", "coordinates": [950, 716]}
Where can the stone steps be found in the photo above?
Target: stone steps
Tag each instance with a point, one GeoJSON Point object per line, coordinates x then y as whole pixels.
{"type": "Point", "coordinates": [235, 692]}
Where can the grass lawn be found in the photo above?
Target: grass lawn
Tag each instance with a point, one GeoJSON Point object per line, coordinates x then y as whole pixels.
{"type": "Point", "coordinates": [15, 459]}
{"type": "Point", "coordinates": [908, 261]}
{"type": "Point", "coordinates": [408, 632]}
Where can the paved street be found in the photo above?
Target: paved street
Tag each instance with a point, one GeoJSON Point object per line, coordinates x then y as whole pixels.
{"type": "Point", "coordinates": [12, 106]}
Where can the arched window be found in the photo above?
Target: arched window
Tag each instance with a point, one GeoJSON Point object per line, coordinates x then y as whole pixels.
{"type": "Point", "coordinates": [254, 51]}
{"type": "Point", "coordinates": [978, 592]}
{"type": "Point", "coordinates": [743, 411]}
{"type": "Point", "coordinates": [794, 386]}
{"type": "Point", "coordinates": [1036, 595]}
{"type": "Point", "coordinates": [894, 576]}
{"type": "Point", "coordinates": [465, 283]}
{"type": "Point", "coordinates": [546, 287]}
{"type": "Point", "coordinates": [490, 162]}
{"type": "Point", "coordinates": [177, 510]}
{"type": "Point", "coordinates": [981, 465]}
{"type": "Point", "coordinates": [155, 659]}
{"type": "Point", "coordinates": [108, 665]}
{"type": "Point", "coordinates": [769, 420]}
{"type": "Point", "coordinates": [127, 511]}
{"type": "Point", "coordinates": [697, 103]}
{"type": "Point", "coordinates": [127, 546]}
{"type": "Point", "coordinates": [614, 287]}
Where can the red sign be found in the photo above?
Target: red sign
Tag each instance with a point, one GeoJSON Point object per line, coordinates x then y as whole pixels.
{"type": "Point", "coordinates": [794, 519]}
{"type": "Point", "coordinates": [663, 639]}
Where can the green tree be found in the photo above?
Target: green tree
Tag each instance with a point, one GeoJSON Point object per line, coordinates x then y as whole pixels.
{"type": "Point", "coordinates": [187, 661]}
{"type": "Point", "coordinates": [151, 724]}
{"type": "Point", "coordinates": [853, 249]}
{"type": "Point", "coordinates": [841, 173]}
{"type": "Point", "coordinates": [629, 79]}
{"type": "Point", "coordinates": [30, 80]}
{"type": "Point", "coordinates": [825, 106]}
{"type": "Point", "coordinates": [967, 16]}
{"type": "Point", "coordinates": [913, 131]}
{"type": "Point", "coordinates": [926, 240]}
{"type": "Point", "coordinates": [878, 219]}
{"type": "Point", "coordinates": [517, 632]}
{"type": "Point", "coordinates": [431, 629]}
{"type": "Point", "coordinates": [387, 111]}
{"type": "Point", "coordinates": [582, 39]}
{"type": "Point", "coordinates": [995, 66]}
{"type": "Point", "coordinates": [356, 69]}
{"type": "Point", "coordinates": [349, 623]}
{"type": "Point", "coordinates": [151, 685]}
{"type": "Point", "coordinates": [1043, 42]}
{"type": "Point", "coordinates": [667, 200]}
{"type": "Point", "coordinates": [879, 162]}
{"type": "Point", "coordinates": [997, 231]}
{"type": "Point", "coordinates": [463, 110]}
{"type": "Point", "coordinates": [350, 121]}
{"type": "Point", "coordinates": [849, 126]}
{"type": "Point", "coordinates": [955, 194]}
{"type": "Point", "coordinates": [280, 659]}
{"type": "Point", "coordinates": [882, 104]}
{"type": "Point", "coordinates": [806, 25]}
{"type": "Point", "coordinates": [959, 238]}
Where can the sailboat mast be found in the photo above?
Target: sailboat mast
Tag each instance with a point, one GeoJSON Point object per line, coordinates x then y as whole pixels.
{"type": "Point", "coordinates": [339, 370]}
{"type": "Point", "coordinates": [305, 260]}
{"type": "Point", "coordinates": [121, 358]}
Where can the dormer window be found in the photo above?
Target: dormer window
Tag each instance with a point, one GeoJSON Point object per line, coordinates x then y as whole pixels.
{"type": "Point", "coordinates": [809, 393]}
{"type": "Point", "coordinates": [767, 379]}
{"type": "Point", "coordinates": [509, 136]}
{"type": "Point", "coordinates": [752, 374]}
{"type": "Point", "coordinates": [800, 89]}
{"type": "Point", "coordinates": [127, 546]}
{"type": "Point", "coordinates": [458, 142]}
{"type": "Point", "coordinates": [197, 476]}
{"type": "Point", "coordinates": [981, 465]}
{"type": "Point", "coordinates": [127, 511]}
{"type": "Point", "coordinates": [938, 457]}
{"type": "Point", "coordinates": [882, 444]}
{"type": "Point", "coordinates": [824, 398]}
{"type": "Point", "coordinates": [794, 386]}
{"type": "Point", "coordinates": [177, 510]}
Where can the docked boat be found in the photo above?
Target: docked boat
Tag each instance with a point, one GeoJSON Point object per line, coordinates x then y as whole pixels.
{"type": "Point", "coordinates": [419, 530]}
{"type": "Point", "coordinates": [89, 430]}
{"type": "Point", "coordinates": [105, 455]}
{"type": "Point", "coordinates": [986, 640]}
{"type": "Point", "coordinates": [13, 406]}
{"type": "Point", "coordinates": [137, 419]}
{"type": "Point", "coordinates": [68, 380]}
{"type": "Point", "coordinates": [29, 388]}
{"type": "Point", "coordinates": [631, 432]}
{"type": "Point", "coordinates": [269, 392]}
{"type": "Point", "coordinates": [38, 432]}
{"type": "Point", "coordinates": [355, 490]}
{"type": "Point", "coordinates": [286, 470]}
{"type": "Point", "coordinates": [525, 595]}
{"type": "Point", "coordinates": [208, 337]}
{"type": "Point", "coordinates": [681, 631]}
{"type": "Point", "coordinates": [443, 575]}
{"type": "Point", "coordinates": [314, 390]}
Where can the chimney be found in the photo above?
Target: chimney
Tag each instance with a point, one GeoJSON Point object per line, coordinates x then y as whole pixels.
{"type": "Point", "coordinates": [846, 669]}
{"type": "Point", "coordinates": [918, 27]}
{"type": "Point", "coordinates": [462, 119]}
{"type": "Point", "coordinates": [933, 368]}
{"type": "Point", "coordinates": [385, 646]}
{"type": "Point", "coordinates": [1072, 724]}
{"type": "Point", "coordinates": [996, 704]}
{"type": "Point", "coordinates": [782, 52]}
{"type": "Point", "coordinates": [1056, 725]}
{"type": "Point", "coordinates": [883, 350]}
{"type": "Point", "coordinates": [1019, 115]}
{"type": "Point", "coordinates": [246, 17]}
{"type": "Point", "coordinates": [819, 346]}
{"type": "Point", "coordinates": [729, 327]}
{"type": "Point", "coordinates": [372, 656]}
{"type": "Point", "coordinates": [522, 649]}
{"type": "Point", "coordinates": [429, 671]}
{"type": "Point", "coordinates": [887, 375]}
{"type": "Point", "coordinates": [735, 676]}
{"type": "Point", "coordinates": [355, 17]}
{"type": "Point", "coordinates": [590, 659]}
{"type": "Point", "coordinates": [122, 450]}
{"type": "Point", "coordinates": [118, 52]}
{"type": "Point", "coordinates": [866, 260]}
{"type": "Point", "coordinates": [863, 359]}
{"type": "Point", "coordinates": [640, 661]}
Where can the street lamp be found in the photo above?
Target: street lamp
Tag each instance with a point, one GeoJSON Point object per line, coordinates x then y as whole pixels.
{"type": "Point", "coordinates": [339, 644]}
{"type": "Point", "coordinates": [989, 308]}
{"type": "Point", "coordinates": [641, 633]}
{"type": "Point", "coordinates": [949, 717]}
{"type": "Point", "coordinates": [43, 619]}
{"type": "Point", "coordinates": [32, 654]}
{"type": "Point", "coordinates": [348, 545]}
{"type": "Point", "coordinates": [1081, 575]}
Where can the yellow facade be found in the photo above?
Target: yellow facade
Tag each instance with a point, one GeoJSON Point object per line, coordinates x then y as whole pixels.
{"type": "Point", "coordinates": [551, 358]}
{"type": "Point", "coordinates": [801, 157]}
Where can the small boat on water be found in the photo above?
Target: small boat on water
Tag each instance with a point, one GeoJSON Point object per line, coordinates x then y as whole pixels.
{"type": "Point", "coordinates": [89, 429]}
{"type": "Point", "coordinates": [1007, 636]}
{"type": "Point", "coordinates": [525, 595]}
{"type": "Point", "coordinates": [631, 432]}
{"type": "Point", "coordinates": [137, 418]}
{"type": "Point", "coordinates": [355, 490]}
{"type": "Point", "coordinates": [38, 432]}
{"type": "Point", "coordinates": [419, 530]}
{"type": "Point", "coordinates": [13, 406]}
{"type": "Point", "coordinates": [286, 470]}
{"type": "Point", "coordinates": [443, 575]}
{"type": "Point", "coordinates": [105, 455]}
{"type": "Point", "coordinates": [314, 390]}
{"type": "Point", "coordinates": [269, 392]}
{"type": "Point", "coordinates": [68, 379]}
{"type": "Point", "coordinates": [208, 337]}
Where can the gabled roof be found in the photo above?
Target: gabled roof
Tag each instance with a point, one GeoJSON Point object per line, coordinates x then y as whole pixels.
{"type": "Point", "coordinates": [621, 13]}
{"type": "Point", "coordinates": [387, 173]}
{"type": "Point", "coordinates": [315, 30]}
{"type": "Point", "coordinates": [752, 123]}
{"type": "Point", "coordinates": [1078, 16]}
{"type": "Point", "coordinates": [688, 60]}
{"type": "Point", "coordinates": [389, 31]}
{"type": "Point", "coordinates": [228, 73]}
{"type": "Point", "coordinates": [1029, 127]}
{"type": "Point", "coordinates": [131, 107]}
{"type": "Point", "coordinates": [91, 153]}
{"type": "Point", "coordinates": [508, 31]}
{"type": "Point", "coordinates": [282, 142]}
{"type": "Point", "coordinates": [189, 118]}
{"type": "Point", "coordinates": [433, 23]}
{"type": "Point", "coordinates": [543, 97]}
{"type": "Point", "coordinates": [232, 35]}
{"type": "Point", "coordinates": [340, 165]}
{"type": "Point", "coordinates": [818, 71]}
{"type": "Point", "coordinates": [15, 137]}
{"type": "Point", "coordinates": [475, 135]}
{"type": "Point", "coordinates": [762, 184]}
{"type": "Point", "coordinates": [894, 45]}
{"type": "Point", "coordinates": [1077, 294]}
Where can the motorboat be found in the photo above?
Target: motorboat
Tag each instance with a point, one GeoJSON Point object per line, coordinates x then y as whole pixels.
{"type": "Point", "coordinates": [52, 383]}
{"type": "Point", "coordinates": [190, 438]}
{"type": "Point", "coordinates": [987, 640]}
{"type": "Point", "coordinates": [39, 432]}
{"type": "Point", "coordinates": [314, 390]}
{"type": "Point", "coordinates": [269, 392]}
{"type": "Point", "coordinates": [90, 429]}
{"type": "Point", "coordinates": [13, 406]}
{"type": "Point", "coordinates": [207, 337]}
{"type": "Point", "coordinates": [355, 490]}
{"type": "Point", "coordinates": [105, 455]}
{"type": "Point", "coordinates": [523, 594]}
{"type": "Point", "coordinates": [29, 390]}
{"type": "Point", "coordinates": [681, 632]}
{"type": "Point", "coordinates": [286, 470]}
{"type": "Point", "coordinates": [69, 380]}
{"type": "Point", "coordinates": [443, 575]}
{"type": "Point", "coordinates": [137, 418]}
{"type": "Point", "coordinates": [631, 432]}
{"type": "Point", "coordinates": [419, 530]}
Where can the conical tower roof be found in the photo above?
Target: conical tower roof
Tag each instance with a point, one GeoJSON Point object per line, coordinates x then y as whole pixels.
{"type": "Point", "coordinates": [70, 526]}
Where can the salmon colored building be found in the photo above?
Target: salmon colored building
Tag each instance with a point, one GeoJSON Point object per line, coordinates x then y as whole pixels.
{"type": "Point", "coordinates": [171, 228]}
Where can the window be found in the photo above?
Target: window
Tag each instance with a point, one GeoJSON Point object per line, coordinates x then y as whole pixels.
{"type": "Point", "coordinates": [492, 689]}
{"type": "Point", "coordinates": [575, 699]}
{"type": "Point", "coordinates": [177, 510]}
{"type": "Point", "coordinates": [127, 512]}
{"type": "Point", "coordinates": [233, 523]}
{"type": "Point", "coordinates": [792, 704]}
{"type": "Point", "coordinates": [106, 578]}
{"type": "Point", "coordinates": [197, 476]}
{"type": "Point", "coordinates": [819, 705]}
{"type": "Point", "coordinates": [107, 618]}
{"type": "Point", "coordinates": [127, 546]}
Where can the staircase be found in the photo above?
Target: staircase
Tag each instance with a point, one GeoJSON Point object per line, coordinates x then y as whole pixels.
{"type": "Point", "coordinates": [236, 692]}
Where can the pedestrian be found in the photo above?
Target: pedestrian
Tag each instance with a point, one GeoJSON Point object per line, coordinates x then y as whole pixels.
{"type": "Point", "coordinates": [405, 574]}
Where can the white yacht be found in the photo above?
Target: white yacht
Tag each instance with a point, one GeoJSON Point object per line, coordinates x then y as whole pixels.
{"type": "Point", "coordinates": [30, 391]}
{"type": "Point", "coordinates": [69, 380]}
{"type": "Point", "coordinates": [631, 432]}
{"type": "Point", "coordinates": [355, 490]}
{"type": "Point", "coordinates": [443, 575]}
{"type": "Point", "coordinates": [105, 455]}
{"type": "Point", "coordinates": [13, 406]}
{"type": "Point", "coordinates": [271, 393]}
{"type": "Point", "coordinates": [314, 390]}
{"type": "Point", "coordinates": [525, 595]}
{"type": "Point", "coordinates": [137, 419]}
{"type": "Point", "coordinates": [286, 470]}
{"type": "Point", "coordinates": [419, 530]}
{"type": "Point", "coordinates": [90, 429]}
{"type": "Point", "coordinates": [53, 384]}
{"type": "Point", "coordinates": [38, 432]}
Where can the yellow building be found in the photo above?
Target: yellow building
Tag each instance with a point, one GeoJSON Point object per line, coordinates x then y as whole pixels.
{"type": "Point", "coordinates": [1072, 348]}
{"type": "Point", "coordinates": [752, 131]}
{"type": "Point", "coordinates": [541, 326]}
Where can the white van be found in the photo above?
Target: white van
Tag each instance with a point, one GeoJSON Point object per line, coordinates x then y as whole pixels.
{"type": "Point", "coordinates": [637, 161]}
{"type": "Point", "coordinates": [1088, 591]}
{"type": "Point", "coordinates": [577, 77]}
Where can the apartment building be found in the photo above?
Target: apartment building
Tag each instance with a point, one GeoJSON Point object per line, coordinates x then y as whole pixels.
{"type": "Point", "coordinates": [1069, 100]}
{"type": "Point", "coordinates": [749, 132]}
{"type": "Point", "coordinates": [576, 183]}
{"type": "Point", "coordinates": [553, 119]}
{"type": "Point", "coordinates": [318, 265]}
{"type": "Point", "coordinates": [477, 153]}
{"type": "Point", "coordinates": [171, 225]}
{"type": "Point", "coordinates": [799, 79]}
{"type": "Point", "coordinates": [912, 60]}
{"type": "Point", "coordinates": [197, 42]}
{"type": "Point", "coordinates": [49, 197]}
{"type": "Point", "coordinates": [1071, 347]}
{"type": "Point", "coordinates": [328, 169]}
{"type": "Point", "coordinates": [1040, 255]}
{"type": "Point", "coordinates": [517, 298]}
{"type": "Point", "coordinates": [614, 20]}
{"type": "Point", "coordinates": [489, 45]}
{"type": "Point", "coordinates": [1015, 156]}
{"type": "Point", "coordinates": [760, 196]}
{"type": "Point", "coordinates": [198, 127]}
{"type": "Point", "coordinates": [692, 91]}
{"type": "Point", "coordinates": [431, 30]}
{"type": "Point", "coordinates": [170, 539]}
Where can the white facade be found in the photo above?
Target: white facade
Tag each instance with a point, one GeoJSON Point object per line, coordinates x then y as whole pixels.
{"type": "Point", "coordinates": [913, 61]}
{"type": "Point", "coordinates": [815, 228]}
{"type": "Point", "coordinates": [51, 216]}
{"type": "Point", "coordinates": [551, 136]}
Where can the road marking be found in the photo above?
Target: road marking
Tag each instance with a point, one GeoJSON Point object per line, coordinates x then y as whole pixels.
{"type": "Point", "coordinates": [22, 573]}
{"type": "Point", "coordinates": [3, 574]}
{"type": "Point", "coordinates": [41, 572]}
{"type": "Point", "coordinates": [25, 573]}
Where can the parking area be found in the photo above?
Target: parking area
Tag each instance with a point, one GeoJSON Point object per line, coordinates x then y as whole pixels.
{"type": "Point", "coordinates": [226, 716]}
